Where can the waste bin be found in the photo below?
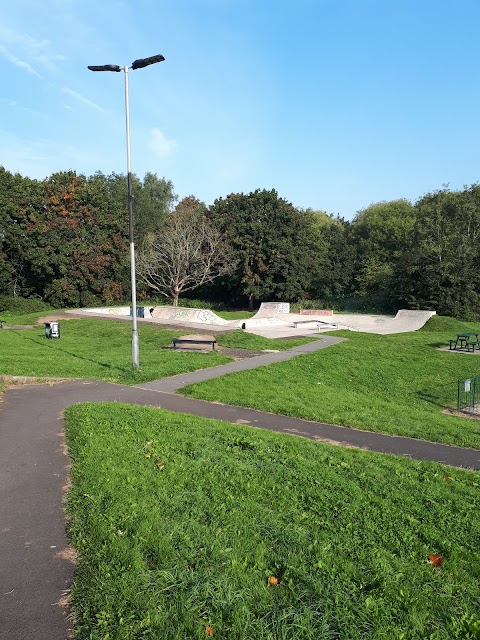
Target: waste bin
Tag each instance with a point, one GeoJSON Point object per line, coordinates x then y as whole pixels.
{"type": "Point", "coordinates": [52, 330]}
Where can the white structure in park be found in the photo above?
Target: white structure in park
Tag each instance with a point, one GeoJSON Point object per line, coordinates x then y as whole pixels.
{"type": "Point", "coordinates": [274, 319]}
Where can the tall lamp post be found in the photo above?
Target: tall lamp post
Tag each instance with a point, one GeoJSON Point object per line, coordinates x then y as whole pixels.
{"type": "Point", "coordinates": [137, 64]}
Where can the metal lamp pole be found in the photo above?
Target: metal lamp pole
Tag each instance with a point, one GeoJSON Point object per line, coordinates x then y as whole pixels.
{"type": "Point", "coordinates": [137, 64]}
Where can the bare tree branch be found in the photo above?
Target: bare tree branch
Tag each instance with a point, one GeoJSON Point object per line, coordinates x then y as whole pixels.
{"type": "Point", "coordinates": [185, 254]}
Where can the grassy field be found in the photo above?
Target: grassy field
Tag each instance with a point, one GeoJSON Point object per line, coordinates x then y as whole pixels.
{"type": "Point", "coordinates": [398, 384]}
{"type": "Point", "coordinates": [235, 315]}
{"type": "Point", "coordinates": [97, 349]}
{"type": "Point", "coordinates": [101, 349]}
{"type": "Point", "coordinates": [188, 528]}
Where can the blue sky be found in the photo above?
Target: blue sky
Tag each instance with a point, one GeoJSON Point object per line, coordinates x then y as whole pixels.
{"type": "Point", "coordinates": [334, 103]}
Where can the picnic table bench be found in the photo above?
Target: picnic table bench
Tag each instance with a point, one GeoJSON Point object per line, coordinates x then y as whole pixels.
{"type": "Point", "coordinates": [465, 342]}
{"type": "Point", "coordinates": [199, 339]}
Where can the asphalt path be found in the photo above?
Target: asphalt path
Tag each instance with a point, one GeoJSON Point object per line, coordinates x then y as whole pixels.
{"type": "Point", "coordinates": [36, 563]}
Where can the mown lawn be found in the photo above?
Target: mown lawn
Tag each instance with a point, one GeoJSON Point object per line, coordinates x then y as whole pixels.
{"type": "Point", "coordinates": [191, 528]}
{"type": "Point", "coordinates": [398, 384]}
{"type": "Point", "coordinates": [101, 349]}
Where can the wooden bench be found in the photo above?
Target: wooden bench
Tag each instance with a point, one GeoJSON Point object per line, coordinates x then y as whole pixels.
{"type": "Point", "coordinates": [195, 340]}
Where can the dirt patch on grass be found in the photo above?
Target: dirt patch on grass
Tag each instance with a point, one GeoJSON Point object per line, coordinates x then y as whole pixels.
{"type": "Point", "coordinates": [239, 354]}
{"type": "Point", "coordinates": [472, 414]}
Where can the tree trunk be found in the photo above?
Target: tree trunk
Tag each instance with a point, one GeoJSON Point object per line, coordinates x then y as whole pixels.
{"type": "Point", "coordinates": [251, 299]}
{"type": "Point", "coordinates": [175, 298]}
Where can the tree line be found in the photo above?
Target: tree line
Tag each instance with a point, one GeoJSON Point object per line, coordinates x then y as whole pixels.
{"type": "Point", "coordinates": [65, 240]}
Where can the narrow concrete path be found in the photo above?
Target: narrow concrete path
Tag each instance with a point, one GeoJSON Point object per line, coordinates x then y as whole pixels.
{"type": "Point", "coordinates": [169, 385]}
{"type": "Point", "coordinates": [35, 560]}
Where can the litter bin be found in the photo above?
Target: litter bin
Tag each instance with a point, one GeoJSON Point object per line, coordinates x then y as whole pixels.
{"type": "Point", "coordinates": [52, 330]}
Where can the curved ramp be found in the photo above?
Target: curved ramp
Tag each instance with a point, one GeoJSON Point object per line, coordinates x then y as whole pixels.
{"type": "Point", "coordinates": [273, 317]}
{"type": "Point", "coordinates": [405, 321]}
{"type": "Point", "coordinates": [185, 314]}
{"type": "Point", "coordinates": [268, 309]}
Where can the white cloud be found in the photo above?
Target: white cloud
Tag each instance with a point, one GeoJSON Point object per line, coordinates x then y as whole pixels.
{"type": "Point", "coordinates": [83, 100]}
{"type": "Point", "coordinates": [18, 62]}
{"type": "Point", "coordinates": [160, 145]}
{"type": "Point", "coordinates": [36, 51]}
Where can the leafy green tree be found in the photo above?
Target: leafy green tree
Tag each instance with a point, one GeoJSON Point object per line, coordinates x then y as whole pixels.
{"type": "Point", "coordinates": [382, 235]}
{"type": "Point", "coordinates": [334, 278]}
{"type": "Point", "coordinates": [153, 198]}
{"type": "Point", "coordinates": [441, 271]}
{"type": "Point", "coordinates": [19, 197]}
{"type": "Point", "coordinates": [78, 248]}
{"type": "Point", "coordinates": [273, 243]}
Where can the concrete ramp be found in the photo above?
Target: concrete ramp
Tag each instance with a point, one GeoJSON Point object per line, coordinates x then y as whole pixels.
{"type": "Point", "coordinates": [184, 314]}
{"type": "Point", "coordinates": [110, 311]}
{"type": "Point", "coordinates": [274, 319]}
{"type": "Point", "coordinates": [176, 315]}
{"type": "Point", "coordinates": [405, 321]}
{"type": "Point", "coordinates": [413, 319]}
{"type": "Point", "coordinates": [268, 309]}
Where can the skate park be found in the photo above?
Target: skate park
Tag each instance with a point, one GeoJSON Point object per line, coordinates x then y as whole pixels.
{"type": "Point", "coordinates": [272, 320]}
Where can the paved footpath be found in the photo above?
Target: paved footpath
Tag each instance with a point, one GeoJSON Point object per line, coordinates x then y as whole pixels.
{"type": "Point", "coordinates": [35, 560]}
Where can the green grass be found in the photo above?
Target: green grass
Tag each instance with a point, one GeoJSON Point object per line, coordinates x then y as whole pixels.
{"type": "Point", "coordinates": [235, 315]}
{"type": "Point", "coordinates": [27, 319]}
{"type": "Point", "coordinates": [242, 340]}
{"type": "Point", "coordinates": [398, 384]}
{"type": "Point", "coordinates": [101, 349]}
{"type": "Point", "coordinates": [166, 550]}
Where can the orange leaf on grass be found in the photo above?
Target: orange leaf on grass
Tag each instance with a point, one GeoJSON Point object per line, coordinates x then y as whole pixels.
{"type": "Point", "coordinates": [273, 580]}
{"type": "Point", "coordinates": [435, 559]}
{"type": "Point", "coordinates": [209, 630]}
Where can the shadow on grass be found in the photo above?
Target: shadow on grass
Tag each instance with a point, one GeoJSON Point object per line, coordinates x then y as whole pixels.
{"type": "Point", "coordinates": [437, 397]}
{"type": "Point", "coordinates": [114, 369]}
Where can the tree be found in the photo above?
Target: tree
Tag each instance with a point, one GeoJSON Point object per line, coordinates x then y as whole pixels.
{"type": "Point", "coordinates": [19, 198]}
{"type": "Point", "coordinates": [274, 244]}
{"type": "Point", "coordinates": [441, 272]}
{"type": "Point", "coordinates": [382, 235]}
{"type": "Point", "coordinates": [78, 248]}
{"type": "Point", "coordinates": [336, 255]}
{"type": "Point", "coordinates": [185, 254]}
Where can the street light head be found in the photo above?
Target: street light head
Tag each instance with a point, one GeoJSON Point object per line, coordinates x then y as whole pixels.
{"type": "Point", "coordinates": [144, 62]}
{"type": "Point", "coordinates": [105, 67]}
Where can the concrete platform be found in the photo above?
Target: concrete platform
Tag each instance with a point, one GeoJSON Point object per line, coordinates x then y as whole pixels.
{"type": "Point", "coordinates": [273, 321]}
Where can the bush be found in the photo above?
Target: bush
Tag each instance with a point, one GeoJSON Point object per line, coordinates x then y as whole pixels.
{"type": "Point", "coordinates": [22, 306]}
{"type": "Point", "coordinates": [189, 303]}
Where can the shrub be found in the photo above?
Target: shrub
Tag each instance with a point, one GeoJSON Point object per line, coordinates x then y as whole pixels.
{"type": "Point", "coordinates": [22, 306]}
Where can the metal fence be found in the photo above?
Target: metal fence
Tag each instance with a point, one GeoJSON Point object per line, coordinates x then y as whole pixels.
{"type": "Point", "coordinates": [468, 395]}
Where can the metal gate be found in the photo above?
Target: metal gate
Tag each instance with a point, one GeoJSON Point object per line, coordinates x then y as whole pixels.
{"type": "Point", "coordinates": [468, 394]}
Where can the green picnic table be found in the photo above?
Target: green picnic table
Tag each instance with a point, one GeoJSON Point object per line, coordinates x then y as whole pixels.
{"type": "Point", "coordinates": [465, 341]}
